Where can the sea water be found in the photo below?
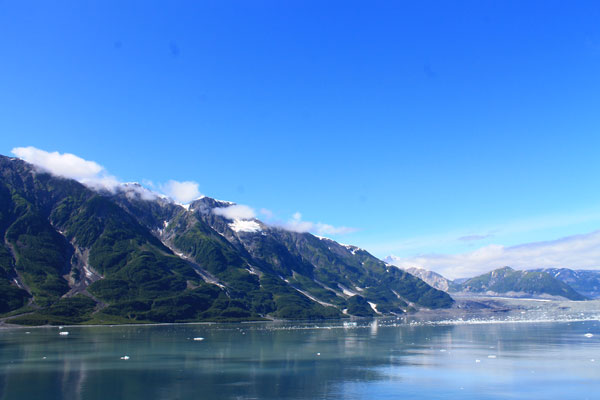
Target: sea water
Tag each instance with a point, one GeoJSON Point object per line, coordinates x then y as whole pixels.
{"type": "Point", "coordinates": [501, 358]}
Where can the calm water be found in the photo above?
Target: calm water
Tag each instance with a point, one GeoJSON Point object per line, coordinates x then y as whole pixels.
{"type": "Point", "coordinates": [378, 360]}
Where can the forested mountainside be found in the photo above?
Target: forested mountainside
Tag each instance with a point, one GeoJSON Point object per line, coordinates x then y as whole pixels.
{"type": "Point", "coordinates": [71, 254]}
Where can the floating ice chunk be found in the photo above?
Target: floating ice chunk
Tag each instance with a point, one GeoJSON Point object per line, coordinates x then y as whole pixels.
{"type": "Point", "coordinates": [125, 358]}
{"type": "Point", "coordinates": [198, 339]}
{"type": "Point", "coordinates": [318, 354]}
{"type": "Point", "coordinates": [491, 356]}
{"type": "Point", "coordinates": [588, 335]}
{"type": "Point", "coordinates": [477, 361]}
{"type": "Point", "coordinates": [60, 327]}
{"type": "Point", "coordinates": [63, 333]}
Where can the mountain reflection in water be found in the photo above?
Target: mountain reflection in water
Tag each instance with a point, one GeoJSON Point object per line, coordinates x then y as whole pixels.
{"type": "Point", "coordinates": [375, 359]}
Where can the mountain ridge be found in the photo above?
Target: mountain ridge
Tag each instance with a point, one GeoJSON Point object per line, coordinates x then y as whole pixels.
{"type": "Point", "coordinates": [71, 254]}
{"type": "Point", "coordinates": [506, 281]}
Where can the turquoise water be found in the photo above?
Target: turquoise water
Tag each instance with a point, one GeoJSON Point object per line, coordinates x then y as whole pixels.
{"type": "Point", "coordinates": [375, 360]}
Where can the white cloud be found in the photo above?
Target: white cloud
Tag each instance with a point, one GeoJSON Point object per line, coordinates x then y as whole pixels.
{"type": "Point", "coordinates": [182, 192]}
{"type": "Point", "coordinates": [135, 190]}
{"type": "Point", "coordinates": [95, 176]}
{"type": "Point", "coordinates": [296, 224]}
{"type": "Point", "coordinates": [69, 166]}
{"type": "Point", "coordinates": [236, 212]}
{"type": "Point", "coordinates": [245, 226]}
{"type": "Point", "coordinates": [577, 252]}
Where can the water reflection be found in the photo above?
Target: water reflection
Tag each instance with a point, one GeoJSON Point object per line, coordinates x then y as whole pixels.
{"type": "Point", "coordinates": [272, 361]}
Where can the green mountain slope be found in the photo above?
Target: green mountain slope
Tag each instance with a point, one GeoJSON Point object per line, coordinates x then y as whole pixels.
{"type": "Point", "coordinates": [509, 281]}
{"type": "Point", "coordinates": [74, 255]}
{"type": "Point", "coordinates": [585, 282]}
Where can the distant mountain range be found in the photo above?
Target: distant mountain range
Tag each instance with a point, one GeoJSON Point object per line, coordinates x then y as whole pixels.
{"type": "Point", "coordinates": [585, 282]}
{"type": "Point", "coordinates": [543, 282]}
{"type": "Point", "coordinates": [70, 254]}
{"type": "Point", "coordinates": [509, 282]}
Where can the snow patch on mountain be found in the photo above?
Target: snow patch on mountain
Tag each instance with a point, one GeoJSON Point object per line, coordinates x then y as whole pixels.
{"type": "Point", "coordinates": [374, 307]}
{"type": "Point", "coordinates": [346, 291]}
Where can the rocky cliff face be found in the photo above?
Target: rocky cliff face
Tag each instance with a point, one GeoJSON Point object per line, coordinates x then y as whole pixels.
{"type": "Point", "coordinates": [431, 278]}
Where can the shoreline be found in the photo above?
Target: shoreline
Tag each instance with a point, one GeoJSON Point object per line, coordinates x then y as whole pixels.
{"type": "Point", "coordinates": [471, 310]}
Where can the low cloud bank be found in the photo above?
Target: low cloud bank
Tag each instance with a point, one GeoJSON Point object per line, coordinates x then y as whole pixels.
{"type": "Point", "coordinates": [236, 212]}
{"type": "Point", "coordinates": [576, 252]}
{"type": "Point", "coordinates": [182, 192]}
{"type": "Point", "coordinates": [95, 176]}
{"type": "Point", "coordinates": [296, 224]}
{"type": "Point", "coordinates": [70, 166]}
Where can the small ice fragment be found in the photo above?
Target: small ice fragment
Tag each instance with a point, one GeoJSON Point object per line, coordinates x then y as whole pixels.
{"type": "Point", "coordinates": [491, 356]}
{"type": "Point", "coordinates": [44, 358]}
{"type": "Point", "coordinates": [318, 354]}
{"type": "Point", "coordinates": [125, 358]}
{"type": "Point", "coordinates": [63, 333]}
{"type": "Point", "coordinates": [442, 350]}
{"type": "Point", "coordinates": [592, 360]}
{"type": "Point", "coordinates": [60, 327]}
{"type": "Point", "coordinates": [477, 361]}
{"type": "Point", "coordinates": [588, 335]}
{"type": "Point", "coordinates": [198, 339]}
{"type": "Point", "coordinates": [27, 333]}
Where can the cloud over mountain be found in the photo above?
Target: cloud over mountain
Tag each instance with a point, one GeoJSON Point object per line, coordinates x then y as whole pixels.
{"type": "Point", "coordinates": [236, 211]}
{"type": "Point", "coordinates": [296, 224]}
{"type": "Point", "coordinates": [94, 175]}
{"type": "Point", "coordinates": [68, 165]}
{"type": "Point", "coordinates": [577, 251]}
{"type": "Point", "coordinates": [181, 192]}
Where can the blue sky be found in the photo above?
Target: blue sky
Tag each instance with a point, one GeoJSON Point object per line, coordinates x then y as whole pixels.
{"type": "Point", "coordinates": [430, 127]}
